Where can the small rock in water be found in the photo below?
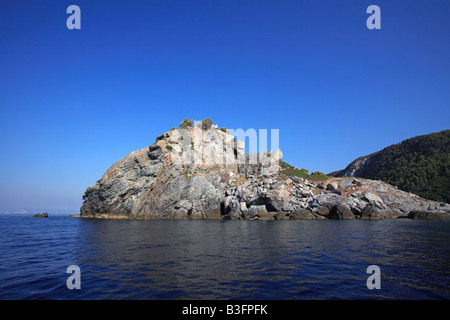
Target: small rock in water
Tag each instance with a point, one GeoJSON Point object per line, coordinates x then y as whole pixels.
{"type": "Point", "coordinates": [41, 215]}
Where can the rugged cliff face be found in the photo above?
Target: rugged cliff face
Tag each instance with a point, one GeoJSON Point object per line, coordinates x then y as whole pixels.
{"type": "Point", "coordinates": [205, 174]}
{"type": "Point", "coordinates": [184, 174]}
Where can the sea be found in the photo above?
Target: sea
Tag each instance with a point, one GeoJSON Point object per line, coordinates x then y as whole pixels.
{"type": "Point", "coordinates": [63, 258]}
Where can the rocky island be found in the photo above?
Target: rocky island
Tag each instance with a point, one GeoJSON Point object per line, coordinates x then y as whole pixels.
{"type": "Point", "coordinates": [203, 172]}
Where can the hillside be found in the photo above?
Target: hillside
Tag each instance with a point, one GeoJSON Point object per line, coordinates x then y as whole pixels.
{"type": "Point", "coordinates": [420, 165]}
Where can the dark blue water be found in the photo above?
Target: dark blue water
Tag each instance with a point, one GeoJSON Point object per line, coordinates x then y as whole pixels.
{"type": "Point", "coordinates": [178, 259]}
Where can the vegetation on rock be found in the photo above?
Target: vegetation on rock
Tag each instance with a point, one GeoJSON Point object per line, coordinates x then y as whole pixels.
{"type": "Point", "coordinates": [186, 124]}
{"type": "Point", "coordinates": [288, 170]}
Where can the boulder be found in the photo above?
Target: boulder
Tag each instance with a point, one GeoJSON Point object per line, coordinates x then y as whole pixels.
{"type": "Point", "coordinates": [287, 207]}
{"type": "Point", "coordinates": [302, 214]}
{"type": "Point", "coordinates": [371, 212]}
{"type": "Point", "coordinates": [358, 205]}
{"type": "Point", "coordinates": [281, 216]}
{"type": "Point", "coordinates": [332, 185]}
{"type": "Point", "coordinates": [305, 193]}
{"type": "Point", "coordinates": [266, 216]}
{"type": "Point", "coordinates": [255, 211]}
{"type": "Point", "coordinates": [295, 179]}
{"type": "Point", "coordinates": [374, 200]}
{"type": "Point", "coordinates": [346, 184]}
{"type": "Point", "coordinates": [328, 199]}
{"type": "Point", "coordinates": [231, 208]}
{"type": "Point", "coordinates": [341, 212]}
{"type": "Point", "coordinates": [274, 200]}
{"type": "Point", "coordinates": [325, 209]}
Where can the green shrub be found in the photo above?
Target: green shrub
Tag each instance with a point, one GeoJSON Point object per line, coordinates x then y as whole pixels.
{"type": "Point", "coordinates": [186, 124]}
{"type": "Point", "coordinates": [205, 124]}
{"type": "Point", "coordinates": [288, 170]}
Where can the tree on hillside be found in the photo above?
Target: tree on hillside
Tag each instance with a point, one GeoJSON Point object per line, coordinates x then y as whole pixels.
{"type": "Point", "coordinates": [186, 124]}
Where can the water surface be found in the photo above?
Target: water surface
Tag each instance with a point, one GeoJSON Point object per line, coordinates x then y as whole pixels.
{"type": "Point", "coordinates": [182, 259]}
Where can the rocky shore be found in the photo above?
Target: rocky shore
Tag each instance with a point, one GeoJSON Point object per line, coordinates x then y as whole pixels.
{"type": "Point", "coordinates": [205, 174]}
{"type": "Point", "coordinates": [281, 197]}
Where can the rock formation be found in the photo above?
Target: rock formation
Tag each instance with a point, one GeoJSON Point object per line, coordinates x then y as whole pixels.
{"type": "Point", "coordinates": [193, 173]}
{"type": "Point", "coordinates": [41, 215]}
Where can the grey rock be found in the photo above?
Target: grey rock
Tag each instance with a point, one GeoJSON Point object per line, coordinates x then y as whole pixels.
{"type": "Point", "coordinates": [328, 198]}
{"type": "Point", "coordinates": [341, 212]}
{"type": "Point", "coordinates": [374, 200]}
{"type": "Point", "coordinates": [273, 200]}
{"type": "Point", "coordinates": [277, 185]}
{"type": "Point", "coordinates": [331, 186]}
{"type": "Point", "coordinates": [287, 207]}
{"type": "Point", "coordinates": [302, 214]}
{"type": "Point", "coordinates": [295, 179]}
{"type": "Point", "coordinates": [255, 211]}
{"type": "Point", "coordinates": [360, 205]}
{"type": "Point", "coordinates": [305, 193]}
{"type": "Point", "coordinates": [231, 208]}
{"type": "Point", "coordinates": [281, 216]}
{"type": "Point", "coordinates": [325, 209]}
{"type": "Point", "coordinates": [371, 212]}
{"type": "Point", "coordinates": [346, 184]}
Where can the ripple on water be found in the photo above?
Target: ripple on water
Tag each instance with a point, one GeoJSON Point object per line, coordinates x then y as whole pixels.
{"type": "Point", "coordinates": [223, 259]}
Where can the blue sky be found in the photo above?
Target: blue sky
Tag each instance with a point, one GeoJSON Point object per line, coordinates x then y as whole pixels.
{"type": "Point", "coordinates": [73, 102]}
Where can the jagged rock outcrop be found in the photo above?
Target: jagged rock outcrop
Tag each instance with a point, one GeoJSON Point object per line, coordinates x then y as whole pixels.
{"type": "Point", "coordinates": [205, 174]}
{"type": "Point", "coordinates": [184, 174]}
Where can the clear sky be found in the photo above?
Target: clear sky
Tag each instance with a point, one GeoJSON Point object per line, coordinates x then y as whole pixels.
{"type": "Point", "coordinates": [73, 102]}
